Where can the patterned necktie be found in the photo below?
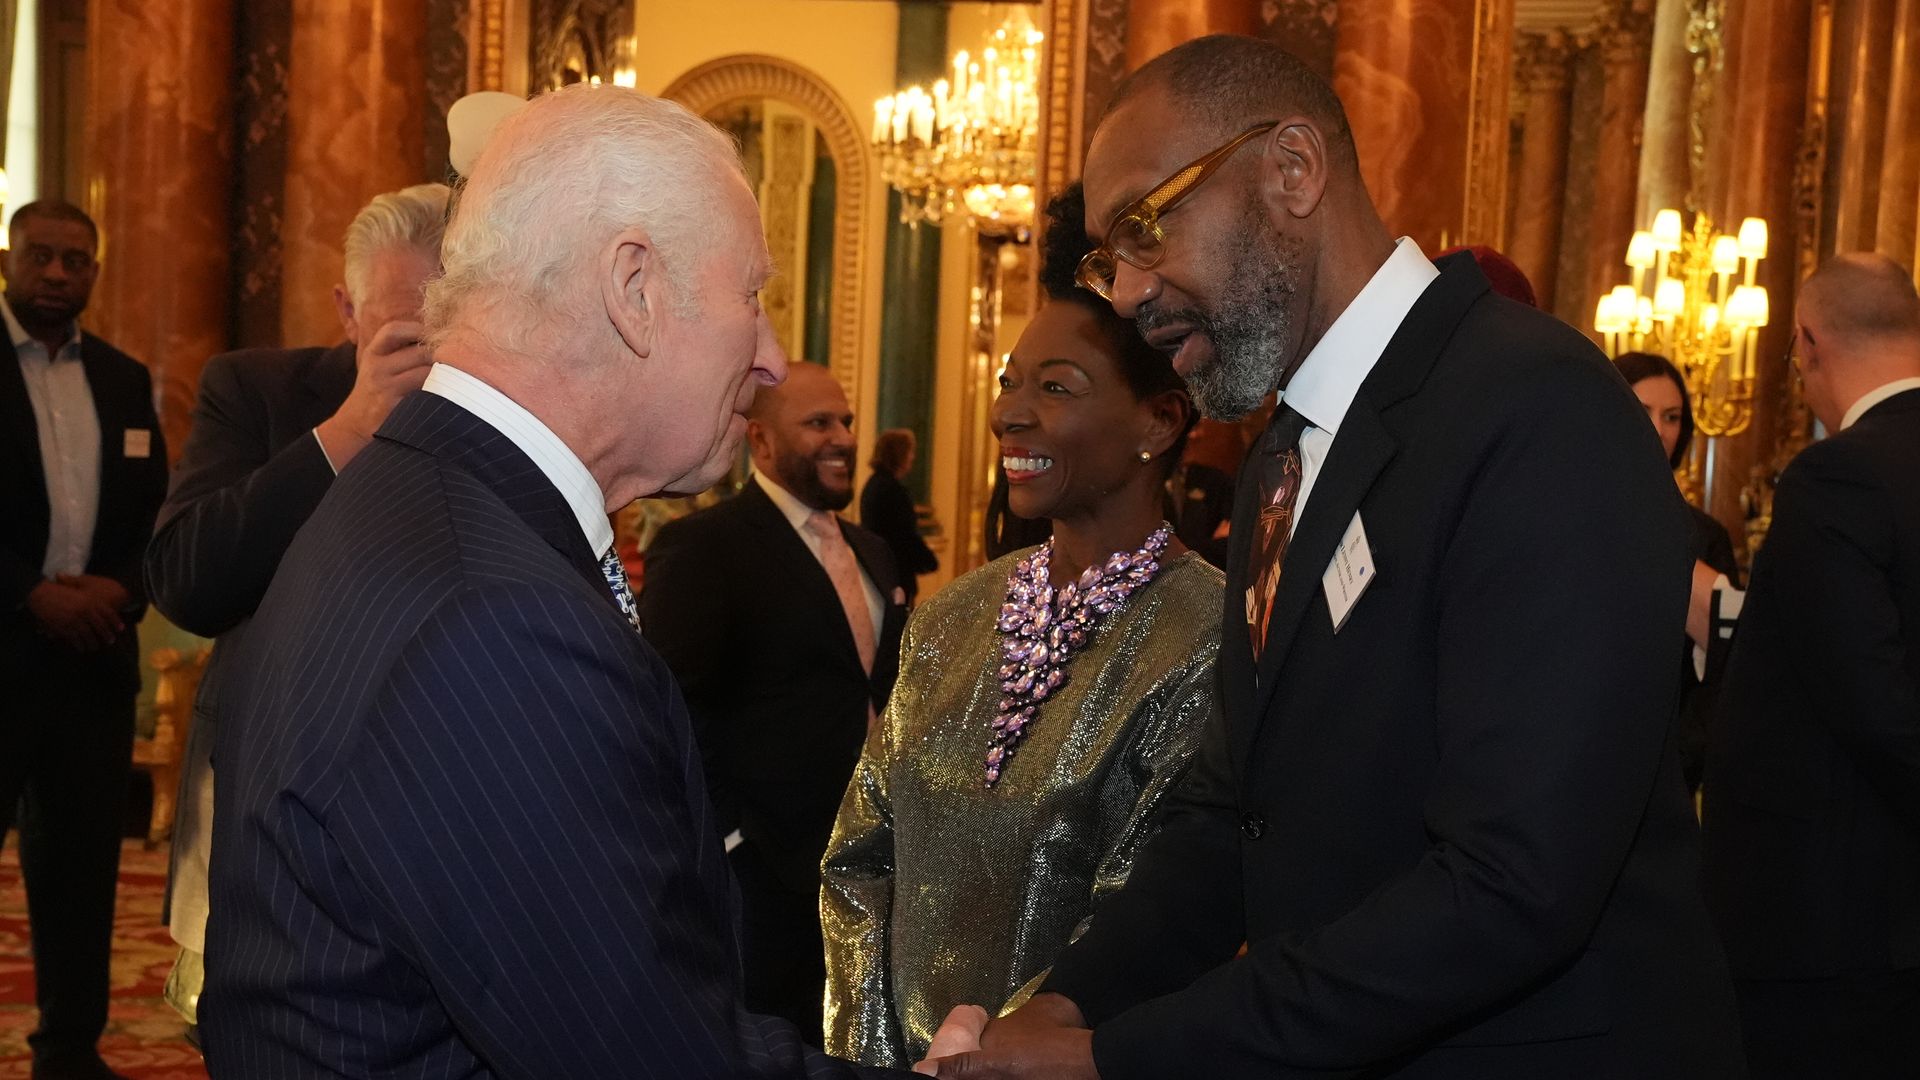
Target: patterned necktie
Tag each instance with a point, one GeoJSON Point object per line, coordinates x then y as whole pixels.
{"type": "Point", "coordinates": [616, 575]}
{"type": "Point", "coordinates": [1276, 469]}
{"type": "Point", "coordinates": [844, 569]}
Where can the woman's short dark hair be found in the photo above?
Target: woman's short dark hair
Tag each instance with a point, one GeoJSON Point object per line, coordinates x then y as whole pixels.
{"type": "Point", "coordinates": [1635, 366]}
{"type": "Point", "coordinates": [891, 448]}
{"type": "Point", "coordinates": [1148, 371]}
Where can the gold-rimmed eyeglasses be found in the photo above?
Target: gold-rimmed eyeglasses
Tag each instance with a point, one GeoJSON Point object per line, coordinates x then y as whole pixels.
{"type": "Point", "coordinates": [1135, 236]}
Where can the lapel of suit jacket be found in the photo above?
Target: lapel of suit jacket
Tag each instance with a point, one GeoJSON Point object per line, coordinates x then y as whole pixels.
{"type": "Point", "coordinates": [875, 559]}
{"type": "Point", "coordinates": [1236, 649]}
{"type": "Point", "coordinates": [16, 408]}
{"type": "Point", "coordinates": [1360, 453]}
{"type": "Point", "coordinates": [435, 425]}
{"type": "Point", "coordinates": [795, 563]}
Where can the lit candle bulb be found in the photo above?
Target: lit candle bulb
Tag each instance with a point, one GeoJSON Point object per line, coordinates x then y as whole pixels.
{"type": "Point", "coordinates": [882, 118]}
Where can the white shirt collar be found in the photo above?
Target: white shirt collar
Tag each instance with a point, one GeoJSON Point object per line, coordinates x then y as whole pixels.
{"type": "Point", "coordinates": [18, 334]}
{"type": "Point", "coordinates": [1875, 397]}
{"type": "Point", "coordinates": [535, 439]}
{"type": "Point", "coordinates": [795, 511]}
{"type": "Point", "coordinates": [1330, 376]}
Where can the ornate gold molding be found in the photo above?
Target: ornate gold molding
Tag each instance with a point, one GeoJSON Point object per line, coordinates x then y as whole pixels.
{"type": "Point", "coordinates": [487, 45]}
{"type": "Point", "coordinates": [751, 77]}
{"type": "Point", "coordinates": [1489, 125]}
{"type": "Point", "coordinates": [1706, 24]}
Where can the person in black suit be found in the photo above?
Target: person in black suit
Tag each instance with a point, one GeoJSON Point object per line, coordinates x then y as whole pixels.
{"type": "Point", "coordinates": [472, 837]}
{"type": "Point", "coordinates": [82, 472]}
{"type": "Point", "coordinates": [783, 665]}
{"type": "Point", "coordinates": [1812, 800]}
{"type": "Point", "coordinates": [270, 430]}
{"type": "Point", "coordinates": [1442, 813]}
{"type": "Point", "coordinates": [886, 508]}
{"type": "Point", "coordinates": [1663, 393]}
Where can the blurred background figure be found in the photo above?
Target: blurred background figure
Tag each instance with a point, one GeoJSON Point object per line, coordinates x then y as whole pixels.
{"type": "Point", "coordinates": [1663, 393]}
{"type": "Point", "coordinates": [886, 508]}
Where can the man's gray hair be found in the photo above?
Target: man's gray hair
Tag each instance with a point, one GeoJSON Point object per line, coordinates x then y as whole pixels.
{"type": "Point", "coordinates": [554, 183]}
{"type": "Point", "coordinates": [413, 217]}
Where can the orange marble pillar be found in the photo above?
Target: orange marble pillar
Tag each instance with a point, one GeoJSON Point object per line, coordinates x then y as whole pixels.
{"type": "Point", "coordinates": [356, 108]}
{"type": "Point", "coordinates": [1545, 77]}
{"type": "Point", "coordinates": [1154, 26]}
{"type": "Point", "coordinates": [1863, 54]}
{"type": "Point", "coordinates": [159, 146]}
{"type": "Point", "coordinates": [1426, 85]}
{"type": "Point", "coordinates": [1625, 39]}
{"type": "Point", "coordinates": [1897, 230]}
{"type": "Point", "coordinates": [1758, 133]}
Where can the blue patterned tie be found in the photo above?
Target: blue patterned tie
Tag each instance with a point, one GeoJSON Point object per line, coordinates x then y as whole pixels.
{"type": "Point", "coordinates": [616, 575]}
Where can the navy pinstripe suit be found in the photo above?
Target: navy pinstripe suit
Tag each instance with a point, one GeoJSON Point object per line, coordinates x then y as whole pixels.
{"type": "Point", "coordinates": [470, 837]}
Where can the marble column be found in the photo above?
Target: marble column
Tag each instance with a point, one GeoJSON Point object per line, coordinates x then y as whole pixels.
{"type": "Point", "coordinates": [1154, 26]}
{"type": "Point", "coordinates": [1545, 77]}
{"type": "Point", "coordinates": [159, 146]}
{"type": "Point", "coordinates": [1665, 177]}
{"type": "Point", "coordinates": [1863, 54]}
{"type": "Point", "coordinates": [356, 103]}
{"type": "Point", "coordinates": [1896, 227]}
{"type": "Point", "coordinates": [1426, 85]}
{"type": "Point", "coordinates": [1764, 94]}
{"type": "Point", "coordinates": [1625, 40]}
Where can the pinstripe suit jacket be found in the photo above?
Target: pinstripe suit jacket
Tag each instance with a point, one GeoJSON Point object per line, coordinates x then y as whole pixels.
{"type": "Point", "coordinates": [470, 837]}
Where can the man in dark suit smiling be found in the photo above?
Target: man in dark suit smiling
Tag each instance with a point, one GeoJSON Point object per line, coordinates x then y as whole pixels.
{"type": "Point", "coordinates": [782, 622]}
{"type": "Point", "coordinates": [472, 837]}
{"type": "Point", "coordinates": [1442, 810]}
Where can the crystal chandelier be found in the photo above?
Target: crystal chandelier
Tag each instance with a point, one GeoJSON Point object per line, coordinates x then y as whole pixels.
{"type": "Point", "coordinates": [971, 144]}
{"type": "Point", "coordinates": [1702, 311]}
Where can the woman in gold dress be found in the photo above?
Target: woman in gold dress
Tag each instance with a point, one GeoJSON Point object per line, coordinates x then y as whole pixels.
{"type": "Point", "coordinates": [1046, 702]}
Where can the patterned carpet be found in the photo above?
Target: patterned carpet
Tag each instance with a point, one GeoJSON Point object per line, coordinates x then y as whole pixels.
{"type": "Point", "coordinates": [143, 1037]}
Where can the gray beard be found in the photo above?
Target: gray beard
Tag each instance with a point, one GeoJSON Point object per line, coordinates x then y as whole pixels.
{"type": "Point", "coordinates": [1251, 329]}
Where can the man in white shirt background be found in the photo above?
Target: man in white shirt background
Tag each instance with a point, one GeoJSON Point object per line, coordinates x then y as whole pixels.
{"type": "Point", "coordinates": [782, 624]}
{"type": "Point", "coordinates": [82, 473]}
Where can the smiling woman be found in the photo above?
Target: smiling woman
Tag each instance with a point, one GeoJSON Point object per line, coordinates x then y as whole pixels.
{"type": "Point", "coordinates": [1048, 699]}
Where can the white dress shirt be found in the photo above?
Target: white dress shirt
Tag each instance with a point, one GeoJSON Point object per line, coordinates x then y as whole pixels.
{"type": "Point", "coordinates": [69, 430]}
{"type": "Point", "coordinates": [797, 513]}
{"type": "Point", "coordinates": [536, 440]}
{"type": "Point", "coordinates": [1875, 397]}
{"type": "Point", "coordinates": [1329, 378]}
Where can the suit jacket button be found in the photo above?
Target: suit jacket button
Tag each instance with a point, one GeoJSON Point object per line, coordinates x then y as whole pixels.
{"type": "Point", "coordinates": [1253, 826]}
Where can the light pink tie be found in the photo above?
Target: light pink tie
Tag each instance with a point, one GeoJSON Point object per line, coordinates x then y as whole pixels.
{"type": "Point", "coordinates": [844, 569]}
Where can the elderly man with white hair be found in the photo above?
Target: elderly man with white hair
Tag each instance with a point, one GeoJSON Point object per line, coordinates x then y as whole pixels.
{"type": "Point", "coordinates": [472, 838]}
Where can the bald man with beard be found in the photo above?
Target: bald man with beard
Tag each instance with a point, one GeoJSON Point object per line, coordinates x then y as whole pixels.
{"type": "Point", "coordinates": [782, 624]}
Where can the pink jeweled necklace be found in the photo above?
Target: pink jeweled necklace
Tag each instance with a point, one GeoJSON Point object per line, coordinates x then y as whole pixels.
{"type": "Point", "coordinates": [1041, 629]}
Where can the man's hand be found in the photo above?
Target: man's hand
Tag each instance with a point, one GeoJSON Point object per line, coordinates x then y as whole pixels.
{"type": "Point", "coordinates": [84, 618]}
{"type": "Point", "coordinates": [389, 366]}
{"type": "Point", "coordinates": [958, 1034]}
{"type": "Point", "coordinates": [1045, 1039]}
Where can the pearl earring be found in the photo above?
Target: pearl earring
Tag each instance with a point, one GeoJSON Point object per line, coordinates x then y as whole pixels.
{"type": "Point", "coordinates": [1146, 456]}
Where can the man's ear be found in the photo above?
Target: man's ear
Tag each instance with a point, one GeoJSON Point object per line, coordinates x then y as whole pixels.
{"type": "Point", "coordinates": [343, 306]}
{"type": "Point", "coordinates": [759, 442]}
{"type": "Point", "coordinates": [632, 289]}
{"type": "Point", "coordinates": [1294, 170]}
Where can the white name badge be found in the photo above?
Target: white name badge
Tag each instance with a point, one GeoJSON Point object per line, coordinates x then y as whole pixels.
{"type": "Point", "coordinates": [138, 443]}
{"type": "Point", "coordinates": [1349, 574]}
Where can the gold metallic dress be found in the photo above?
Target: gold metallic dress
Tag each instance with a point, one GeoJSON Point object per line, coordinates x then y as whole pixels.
{"type": "Point", "coordinates": [939, 891]}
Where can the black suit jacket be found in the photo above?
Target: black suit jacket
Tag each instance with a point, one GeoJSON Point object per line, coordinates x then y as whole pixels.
{"type": "Point", "coordinates": [886, 509]}
{"type": "Point", "coordinates": [751, 625]}
{"type": "Point", "coordinates": [472, 838]}
{"type": "Point", "coordinates": [248, 478]}
{"type": "Point", "coordinates": [1698, 694]}
{"type": "Point", "coordinates": [1812, 800]}
{"type": "Point", "coordinates": [130, 493]}
{"type": "Point", "coordinates": [1453, 833]}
